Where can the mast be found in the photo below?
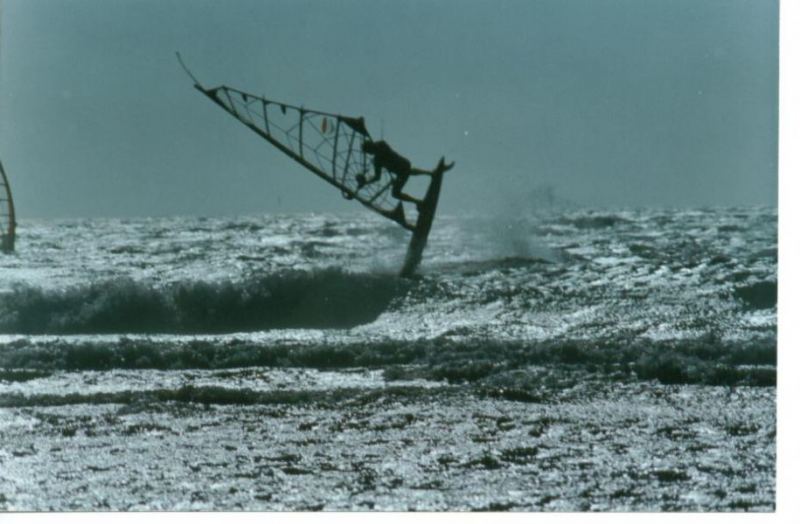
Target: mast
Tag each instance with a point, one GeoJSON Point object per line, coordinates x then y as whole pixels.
{"type": "Point", "coordinates": [8, 221]}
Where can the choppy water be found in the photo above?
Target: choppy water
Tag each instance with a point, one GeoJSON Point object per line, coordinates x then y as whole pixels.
{"type": "Point", "coordinates": [299, 309]}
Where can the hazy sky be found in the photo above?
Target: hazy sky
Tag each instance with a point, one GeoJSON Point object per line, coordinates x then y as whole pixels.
{"type": "Point", "coordinates": [613, 102]}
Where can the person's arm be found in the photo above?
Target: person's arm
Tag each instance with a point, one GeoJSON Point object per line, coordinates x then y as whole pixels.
{"type": "Point", "coordinates": [376, 169]}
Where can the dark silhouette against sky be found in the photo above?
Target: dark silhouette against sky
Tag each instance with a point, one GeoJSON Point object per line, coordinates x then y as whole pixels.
{"type": "Point", "coordinates": [612, 102]}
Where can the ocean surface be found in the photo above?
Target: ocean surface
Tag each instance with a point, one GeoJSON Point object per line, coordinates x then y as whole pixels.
{"type": "Point", "coordinates": [564, 360]}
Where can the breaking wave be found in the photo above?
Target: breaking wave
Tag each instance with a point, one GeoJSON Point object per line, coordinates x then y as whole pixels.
{"type": "Point", "coordinates": [328, 298]}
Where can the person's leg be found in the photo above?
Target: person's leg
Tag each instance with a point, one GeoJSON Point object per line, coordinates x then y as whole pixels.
{"type": "Point", "coordinates": [397, 190]}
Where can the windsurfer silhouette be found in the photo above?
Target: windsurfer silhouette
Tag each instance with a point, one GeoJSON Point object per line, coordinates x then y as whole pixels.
{"type": "Point", "coordinates": [384, 157]}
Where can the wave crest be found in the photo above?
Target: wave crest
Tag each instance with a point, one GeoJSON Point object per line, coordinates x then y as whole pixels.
{"type": "Point", "coordinates": [328, 298]}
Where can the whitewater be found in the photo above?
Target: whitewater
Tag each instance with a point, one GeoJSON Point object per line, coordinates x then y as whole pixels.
{"type": "Point", "coordinates": [570, 359]}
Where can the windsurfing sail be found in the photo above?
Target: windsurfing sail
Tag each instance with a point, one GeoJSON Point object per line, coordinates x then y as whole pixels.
{"type": "Point", "coordinates": [331, 146]}
{"type": "Point", "coordinates": [8, 223]}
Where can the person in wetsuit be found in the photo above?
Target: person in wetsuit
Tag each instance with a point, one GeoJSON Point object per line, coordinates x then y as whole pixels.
{"type": "Point", "coordinates": [384, 157]}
